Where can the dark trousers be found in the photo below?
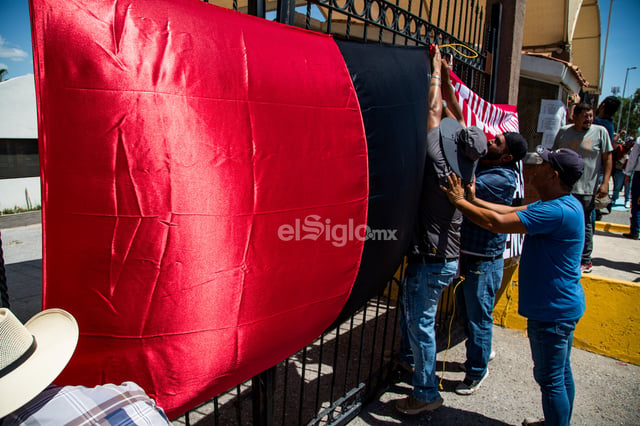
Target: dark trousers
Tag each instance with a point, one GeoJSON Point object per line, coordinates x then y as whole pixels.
{"type": "Point", "coordinates": [635, 204]}
{"type": "Point", "coordinates": [588, 205]}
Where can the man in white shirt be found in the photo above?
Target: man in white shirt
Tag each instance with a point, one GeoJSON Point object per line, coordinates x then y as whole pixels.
{"type": "Point", "coordinates": [633, 168]}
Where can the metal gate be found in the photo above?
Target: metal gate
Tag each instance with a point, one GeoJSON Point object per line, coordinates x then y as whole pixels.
{"type": "Point", "coordinates": [328, 381]}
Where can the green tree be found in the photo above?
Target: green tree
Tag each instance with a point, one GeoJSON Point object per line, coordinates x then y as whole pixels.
{"type": "Point", "coordinates": [633, 117]}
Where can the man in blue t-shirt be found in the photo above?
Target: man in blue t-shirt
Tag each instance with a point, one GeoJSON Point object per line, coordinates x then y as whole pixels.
{"type": "Point", "coordinates": [550, 293]}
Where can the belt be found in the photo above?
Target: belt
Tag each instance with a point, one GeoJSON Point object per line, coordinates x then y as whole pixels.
{"type": "Point", "coordinates": [421, 258]}
{"type": "Point", "coordinates": [481, 258]}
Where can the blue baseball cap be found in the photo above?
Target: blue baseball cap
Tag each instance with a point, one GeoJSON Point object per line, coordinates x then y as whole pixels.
{"type": "Point", "coordinates": [566, 162]}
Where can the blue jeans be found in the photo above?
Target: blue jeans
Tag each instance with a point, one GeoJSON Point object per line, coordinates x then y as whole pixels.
{"type": "Point", "coordinates": [618, 183]}
{"type": "Point", "coordinates": [634, 227]}
{"type": "Point", "coordinates": [551, 350]}
{"type": "Point", "coordinates": [423, 285]}
{"type": "Point", "coordinates": [588, 205]}
{"type": "Point", "coordinates": [482, 280]}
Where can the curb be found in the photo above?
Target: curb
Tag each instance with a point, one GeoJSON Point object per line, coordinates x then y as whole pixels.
{"type": "Point", "coordinates": [612, 227]}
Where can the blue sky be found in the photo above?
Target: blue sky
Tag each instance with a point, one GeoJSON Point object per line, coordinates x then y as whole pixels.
{"type": "Point", "coordinates": [623, 49]}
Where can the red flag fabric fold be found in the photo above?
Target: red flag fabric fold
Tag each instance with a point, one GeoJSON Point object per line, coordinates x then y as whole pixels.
{"type": "Point", "coordinates": [181, 146]}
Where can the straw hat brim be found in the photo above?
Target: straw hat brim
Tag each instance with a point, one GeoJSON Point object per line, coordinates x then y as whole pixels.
{"type": "Point", "coordinates": [56, 333]}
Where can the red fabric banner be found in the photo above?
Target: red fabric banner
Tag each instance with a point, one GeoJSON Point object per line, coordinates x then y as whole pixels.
{"type": "Point", "coordinates": [181, 145]}
{"type": "Point", "coordinates": [493, 119]}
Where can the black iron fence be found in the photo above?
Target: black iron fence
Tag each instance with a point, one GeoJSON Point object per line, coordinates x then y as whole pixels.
{"type": "Point", "coordinates": [327, 382]}
{"type": "Point", "coordinates": [464, 23]}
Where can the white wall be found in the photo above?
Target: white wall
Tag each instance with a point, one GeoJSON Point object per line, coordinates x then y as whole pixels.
{"type": "Point", "coordinates": [14, 192]}
{"type": "Point", "coordinates": [18, 113]}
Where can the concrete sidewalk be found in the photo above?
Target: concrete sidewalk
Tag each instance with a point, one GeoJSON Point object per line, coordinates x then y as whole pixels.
{"type": "Point", "coordinates": [607, 390]}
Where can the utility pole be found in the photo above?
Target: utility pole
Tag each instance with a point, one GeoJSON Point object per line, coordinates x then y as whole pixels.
{"type": "Point", "coordinates": [631, 107]}
{"type": "Point", "coordinates": [624, 88]}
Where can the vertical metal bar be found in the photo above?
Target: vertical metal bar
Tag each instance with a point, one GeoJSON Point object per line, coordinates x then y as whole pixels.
{"type": "Point", "coordinates": [284, 391]}
{"type": "Point", "coordinates": [475, 27]}
{"type": "Point", "coordinates": [238, 410]}
{"type": "Point", "coordinates": [302, 384]}
{"type": "Point", "coordinates": [365, 32]}
{"type": "Point", "coordinates": [235, 5]}
{"type": "Point", "coordinates": [374, 338]}
{"type": "Point", "coordinates": [453, 19]}
{"type": "Point", "coordinates": [262, 396]}
{"type": "Point", "coordinates": [421, 5]}
{"type": "Point", "coordinates": [286, 11]}
{"type": "Point", "coordinates": [439, 13]}
{"type": "Point", "coordinates": [187, 420]}
{"type": "Point", "coordinates": [466, 21]}
{"type": "Point", "coordinates": [446, 17]}
{"type": "Point", "coordinates": [398, 313]}
{"type": "Point", "coordinates": [317, 404]}
{"type": "Point", "coordinates": [349, 347]}
{"type": "Point", "coordinates": [256, 8]}
{"type": "Point", "coordinates": [396, 24]}
{"type": "Point", "coordinates": [460, 20]}
{"type": "Point", "coordinates": [307, 18]}
{"type": "Point", "coordinates": [481, 42]}
{"type": "Point", "coordinates": [496, 26]}
{"type": "Point", "coordinates": [335, 366]}
{"type": "Point", "coordinates": [386, 324]}
{"type": "Point", "coordinates": [364, 324]}
{"type": "Point", "coordinates": [408, 26]}
{"type": "Point", "coordinates": [431, 11]}
{"type": "Point", "coordinates": [471, 21]}
{"type": "Point", "coordinates": [216, 411]}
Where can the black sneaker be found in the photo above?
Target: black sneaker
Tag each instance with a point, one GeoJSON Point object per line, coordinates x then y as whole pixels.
{"type": "Point", "coordinates": [631, 236]}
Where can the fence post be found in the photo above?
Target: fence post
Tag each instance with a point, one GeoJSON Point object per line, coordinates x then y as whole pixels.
{"type": "Point", "coordinates": [286, 10]}
{"type": "Point", "coordinates": [494, 48]}
{"type": "Point", "coordinates": [256, 8]}
{"type": "Point", "coordinates": [262, 396]}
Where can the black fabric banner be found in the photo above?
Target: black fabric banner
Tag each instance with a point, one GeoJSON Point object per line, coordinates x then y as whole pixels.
{"type": "Point", "coordinates": [392, 87]}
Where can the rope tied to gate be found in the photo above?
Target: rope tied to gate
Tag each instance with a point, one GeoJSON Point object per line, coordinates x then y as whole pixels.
{"type": "Point", "coordinates": [453, 46]}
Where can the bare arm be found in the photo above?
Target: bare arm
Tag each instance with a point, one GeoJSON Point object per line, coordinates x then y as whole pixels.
{"type": "Point", "coordinates": [502, 220]}
{"type": "Point", "coordinates": [498, 208]}
{"type": "Point", "coordinates": [453, 107]}
{"type": "Point", "coordinates": [435, 94]}
{"type": "Point", "coordinates": [607, 164]}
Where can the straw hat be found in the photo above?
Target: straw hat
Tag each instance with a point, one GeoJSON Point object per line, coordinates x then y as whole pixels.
{"type": "Point", "coordinates": [32, 355]}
